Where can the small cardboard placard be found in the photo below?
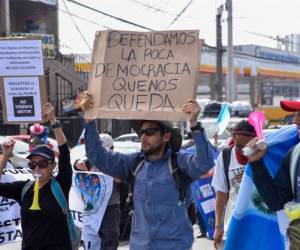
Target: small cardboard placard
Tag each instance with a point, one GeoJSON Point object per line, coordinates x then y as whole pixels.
{"type": "Point", "coordinates": [144, 75]}
{"type": "Point", "coordinates": [22, 84]}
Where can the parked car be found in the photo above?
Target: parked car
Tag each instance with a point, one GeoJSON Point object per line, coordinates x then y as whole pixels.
{"type": "Point", "coordinates": [126, 147]}
{"type": "Point", "coordinates": [133, 137]}
{"type": "Point", "coordinates": [26, 138]}
{"type": "Point", "coordinates": [19, 154]}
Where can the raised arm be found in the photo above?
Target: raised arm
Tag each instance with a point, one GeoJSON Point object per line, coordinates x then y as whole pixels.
{"type": "Point", "coordinates": [49, 114]}
{"type": "Point", "coordinates": [64, 164]}
{"type": "Point", "coordinates": [7, 149]}
{"type": "Point", "coordinates": [199, 163]}
{"type": "Point", "coordinates": [274, 191]}
{"type": "Point", "coordinates": [109, 162]}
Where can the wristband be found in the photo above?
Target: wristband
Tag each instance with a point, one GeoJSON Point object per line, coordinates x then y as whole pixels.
{"type": "Point", "coordinates": [56, 125]}
{"type": "Point", "coordinates": [197, 127]}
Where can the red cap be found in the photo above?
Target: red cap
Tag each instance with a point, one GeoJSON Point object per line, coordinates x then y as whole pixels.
{"type": "Point", "coordinates": [290, 106]}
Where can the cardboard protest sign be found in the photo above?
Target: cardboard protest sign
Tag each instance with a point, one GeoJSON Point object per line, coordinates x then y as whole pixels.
{"type": "Point", "coordinates": [144, 75]}
{"type": "Point", "coordinates": [22, 85]}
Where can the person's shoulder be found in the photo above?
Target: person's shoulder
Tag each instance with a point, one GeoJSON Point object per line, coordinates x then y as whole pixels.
{"type": "Point", "coordinates": [288, 154]}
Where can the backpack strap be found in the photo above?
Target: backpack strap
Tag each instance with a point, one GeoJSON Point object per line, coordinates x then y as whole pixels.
{"type": "Point", "coordinates": [295, 156]}
{"type": "Point", "coordinates": [59, 195]}
{"type": "Point", "coordinates": [74, 232]}
{"type": "Point", "coordinates": [178, 177]}
{"type": "Point", "coordinates": [25, 189]}
{"type": "Point", "coordinates": [134, 171]}
{"type": "Point", "coordinates": [175, 171]}
{"type": "Point", "coordinates": [226, 154]}
{"type": "Point", "coordinates": [137, 166]}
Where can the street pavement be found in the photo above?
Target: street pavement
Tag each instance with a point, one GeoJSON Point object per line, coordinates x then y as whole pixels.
{"type": "Point", "coordinates": [199, 244]}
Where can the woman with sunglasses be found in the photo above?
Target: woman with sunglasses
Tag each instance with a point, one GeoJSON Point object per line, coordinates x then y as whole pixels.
{"type": "Point", "coordinates": [45, 228]}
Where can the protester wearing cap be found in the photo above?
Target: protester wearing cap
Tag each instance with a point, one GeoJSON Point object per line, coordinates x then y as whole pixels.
{"type": "Point", "coordinates": [159, 220]}
{"type": "Point", "coordinates": [46, 228]}
{"type": "Point", "coordinates": [285, 186]}
{"type": "Point", "coordinates": [226, 180]}
{"type": "Point", "coordinates": [292, 106]}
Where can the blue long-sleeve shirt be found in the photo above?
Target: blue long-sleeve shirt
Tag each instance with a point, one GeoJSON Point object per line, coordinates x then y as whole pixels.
{"type": "Point", "coordinates": [158, 221]}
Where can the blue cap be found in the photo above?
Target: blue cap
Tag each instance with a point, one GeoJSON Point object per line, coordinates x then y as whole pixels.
{"type": "Point", "coordinates": [43, 151]}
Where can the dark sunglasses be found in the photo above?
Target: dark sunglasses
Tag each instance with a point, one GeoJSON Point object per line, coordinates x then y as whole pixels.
{"type": "Point", "coordinates": [42, 164]}
{"type": "Point", "coordinates": [149, 131]}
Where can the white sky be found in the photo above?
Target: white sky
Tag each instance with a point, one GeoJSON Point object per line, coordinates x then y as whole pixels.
{"type": "Point", "coordinates": [269, 17]}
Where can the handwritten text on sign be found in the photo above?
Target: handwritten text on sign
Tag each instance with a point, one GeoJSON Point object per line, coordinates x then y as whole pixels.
{"type": "Point", "coordinates": [149, 72]}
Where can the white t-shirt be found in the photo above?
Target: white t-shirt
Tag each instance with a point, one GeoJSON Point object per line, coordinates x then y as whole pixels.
{"type": "Point", "coordinates": [219, 183]}
{"type": "Point", "coordinates": [9, 165]}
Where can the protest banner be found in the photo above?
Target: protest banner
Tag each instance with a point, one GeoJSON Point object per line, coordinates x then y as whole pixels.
{"type": "Point", "coordinates": [205, 199]}
{"type": "Point", "coordinates": [22, 84]}
{"type": "Point", "coordinates": [144, 75]}
{"type": "Point", "coordinates": [88, 199]}
{"type": "Point", "coordinates": [94, 190]}
{"type": "Point", "coordinates": [10, 219]}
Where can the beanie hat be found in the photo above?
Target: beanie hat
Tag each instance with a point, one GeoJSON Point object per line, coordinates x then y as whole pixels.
{"type": "Point", "coordinates": [243, 127]}
{"type": "Point", "coordinates": [107, 141]}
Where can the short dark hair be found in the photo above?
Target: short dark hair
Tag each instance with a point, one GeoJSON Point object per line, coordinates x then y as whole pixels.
{"type": "Point", "coordinates": [243, 127]}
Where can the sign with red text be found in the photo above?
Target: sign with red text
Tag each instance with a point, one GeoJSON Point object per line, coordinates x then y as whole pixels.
{"type": "Point", "coordinates": [144, 75]}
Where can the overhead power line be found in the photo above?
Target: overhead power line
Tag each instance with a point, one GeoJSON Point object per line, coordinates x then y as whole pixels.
{"type": "Point", "coordinates": [155, 9]}
{"type": "Point", "coordinates": [181, 12]}
{"type": "Point", "coordinates": [79, 31]}
{"type": "Point", "coordinates": [111, 16]}
{"type": "Point", "coordinates": [82, 18]}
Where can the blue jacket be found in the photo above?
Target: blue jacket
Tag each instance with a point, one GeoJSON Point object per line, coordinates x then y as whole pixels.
{"type": "Point", "coordinates": [158, 221]}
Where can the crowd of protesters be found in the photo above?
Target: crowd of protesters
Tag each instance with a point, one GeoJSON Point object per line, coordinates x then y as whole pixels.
{"type": "Point", "coordinates": [160, 210]}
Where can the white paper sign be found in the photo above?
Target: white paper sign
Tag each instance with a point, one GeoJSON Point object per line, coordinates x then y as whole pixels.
{"type": "Point", "coordinates": [21, 58]}
{"type": "Point", "coordinates": [23, 100]}
{"type": "Point", "coordinates": [10, 220]}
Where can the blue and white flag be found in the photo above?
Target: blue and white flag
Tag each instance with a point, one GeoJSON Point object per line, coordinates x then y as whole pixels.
{"type": "Point", "coordinates": [253, 225]}
{"type": "Point", "coordinates": [223, 119]}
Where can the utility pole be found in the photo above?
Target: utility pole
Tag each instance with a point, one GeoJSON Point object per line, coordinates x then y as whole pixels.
{"type": "Point", "coordinates": [230, 89]}
{"type": "Point", "coordinates": [219, 73]}
{"type": "Point", "coordinates": [4, 17]}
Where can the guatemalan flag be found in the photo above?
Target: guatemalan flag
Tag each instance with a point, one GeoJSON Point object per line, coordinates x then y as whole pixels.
{"type": "Point", "coordinates": [223, 119]}
{"type": "Point", "coordinates": [253, 226]}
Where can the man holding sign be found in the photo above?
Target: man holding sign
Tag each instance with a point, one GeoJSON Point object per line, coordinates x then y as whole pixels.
{"type": "Point", "coordinates": [160, 219]}
{"type": "Point", "coordinates": [144, 75]}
